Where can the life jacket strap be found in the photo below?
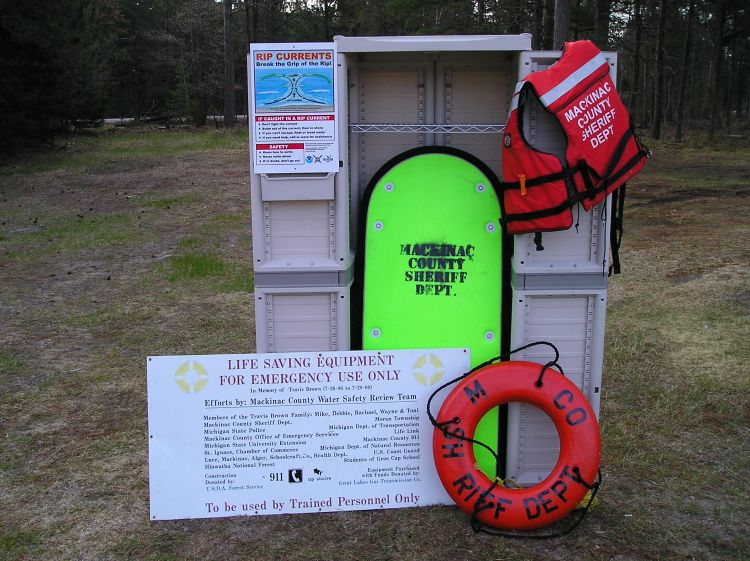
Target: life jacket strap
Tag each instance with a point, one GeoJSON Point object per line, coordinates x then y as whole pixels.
{"type": "Point", "coordinates": [584, 169]}
{"type": "Point", "coordinates": [616, 230]}
{"type": "Point", "coordinates": [538, 241]}
{"type": "Point", "coordinates": [543, 179]}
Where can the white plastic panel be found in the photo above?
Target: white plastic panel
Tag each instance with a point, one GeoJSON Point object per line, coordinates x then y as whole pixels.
{"type": "Point", "coordinates": [302, 319]}
{"type": "Point", "coordinates": [299, 233]}
{"type": "Point", "coordinates": [576, 250]}
{"type": "Point", "coordinates": [477, 95]}
{"type": "Point", "coordinates": [581, 249]}
{"type": "Point", "coordinates": [573, 321]}
{"type": "Point", "coordinates": [389, 92]}
{"type": "Point", "coordinates": [433, 43]}
{"type": "Point", "coordinates": [297, 187]}
{"type": "Point", "coordinates": [299, 227]}
{"type": "Point", "coordinates": [302, 225]}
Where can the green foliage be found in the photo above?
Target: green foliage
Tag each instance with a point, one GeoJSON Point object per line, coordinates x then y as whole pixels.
{"type": "Point", "coordinates": [195, 265]}
{"type": "Point", "coordinates": [54, 66]}
{"type": "Point", "coordinates": [9, 363]}
{"type": "Point", "coordinates": [76, 61]}
{"type": "Point", "coordinates": [142, 59]}
{"type": "Point", "coordinates": [16, 544]}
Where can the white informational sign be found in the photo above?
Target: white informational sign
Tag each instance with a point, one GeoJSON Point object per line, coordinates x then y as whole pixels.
{"type": "Point", "coordinates": [292, 99]}
{"type": "Point", "coordinates": [297, 432]}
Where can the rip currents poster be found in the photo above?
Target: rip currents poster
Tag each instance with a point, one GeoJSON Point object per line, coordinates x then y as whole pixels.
{"type": "Point", "coordinates": [292, 97]}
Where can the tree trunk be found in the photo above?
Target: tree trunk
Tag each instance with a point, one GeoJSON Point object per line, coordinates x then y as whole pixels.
{"type": "Point", "coordinates": [636, 61]}
{"type": "Point", "coordinates": [250, 20]}
{"type": "Point", "coordinates": [684, 72]}
{"type": "Point", "coordinates": [228, 67]}
{"type": "Point", "coordinates": [719, 15]}
{"type": "Point", "coordinates": [659, 89]}
{"type": "Point", "coordinates": [514, 26]}
{"type": "Point", "coordinates": [739, 91]}
{"type": "Point", "coordinates": [601, 23]}
{"type": "Point", "coordinates": [327, 20]}
{"type": "Point", "coordinates": [548, 26]}
{"type": "Point", "coordinates": [730, 82]}
{"type": "Point", "coordinates": [562, 23]}
{"type": "Point", "coordinates": [690, 109]}
{"type": "Point", "coordinates": [538, 24]}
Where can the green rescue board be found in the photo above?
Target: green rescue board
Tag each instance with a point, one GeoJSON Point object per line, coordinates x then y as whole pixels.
{"type": "Point", "coordinates": [433, 265]}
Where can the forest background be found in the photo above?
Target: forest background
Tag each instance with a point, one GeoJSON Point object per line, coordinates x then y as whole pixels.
{"type": "Point", "coordinates": [684, 64]}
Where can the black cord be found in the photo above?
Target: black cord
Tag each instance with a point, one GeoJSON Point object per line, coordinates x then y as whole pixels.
{"type": "Point", "coordinates": [459, 434]}
{"type": "Point", "coordinates": [500, 357]}
{"type": "Point", "coordinates": [530, 535]}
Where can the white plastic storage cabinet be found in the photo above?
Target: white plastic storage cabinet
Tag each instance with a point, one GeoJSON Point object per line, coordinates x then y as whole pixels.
{"type": "Point", "coordinates": [573, 321]}
{"type": "Point", "coordinates": [398, 93]}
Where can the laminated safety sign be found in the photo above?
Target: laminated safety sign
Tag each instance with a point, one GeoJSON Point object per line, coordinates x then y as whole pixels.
{"type": "Point", "coordinates": [290, 433]}
{"type": "Point", "coordinates": [293, 107]}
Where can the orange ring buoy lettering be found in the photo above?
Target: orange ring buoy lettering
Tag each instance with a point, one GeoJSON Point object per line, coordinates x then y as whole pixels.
{"type": "Point", "coordinates": [495, 505]}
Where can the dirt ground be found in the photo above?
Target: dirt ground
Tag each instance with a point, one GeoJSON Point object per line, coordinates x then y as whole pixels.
{"type": "Point", "coordinates": [107, 262]}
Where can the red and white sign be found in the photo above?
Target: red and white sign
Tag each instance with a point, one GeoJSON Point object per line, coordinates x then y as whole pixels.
{"type": "Point", "coordinates": [280, 154]}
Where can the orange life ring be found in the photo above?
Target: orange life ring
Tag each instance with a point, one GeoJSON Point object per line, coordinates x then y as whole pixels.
{"type": "Point", "coordinates": [491, 503]}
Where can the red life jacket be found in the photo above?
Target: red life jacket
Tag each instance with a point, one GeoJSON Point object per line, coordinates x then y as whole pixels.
{"type": "Point", "coordinates": [601, 150]}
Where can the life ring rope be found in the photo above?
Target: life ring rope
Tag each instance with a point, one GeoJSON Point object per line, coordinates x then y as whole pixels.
{"type": "Point", "coordinates": [443, 426]}
{"type": "Point", "coordinates": [460, 434]}
{"type": "Point", "coordinates": [478, 527]}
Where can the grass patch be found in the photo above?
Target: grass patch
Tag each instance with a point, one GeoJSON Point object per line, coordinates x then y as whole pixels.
{"type": "Point", "coordinates": [16, 544]}
{"type": "Point", "coordinates": [75, 232]}
{"type": "Point", "coordinates": [189, 243]}
{"type": "Point", "coordinates": [225, 276]}
{"type": "Point", "coordinates": [675, 408]}
{"type": "Point", "coordinates": [95, 152]}
{"type": "Point", "coordinates": [169, 202]}
{"type": "Point", "coordinates": [9, 363]}
{"type": "Point", "coordinates": [241, 280]}
{"type": "Point", "coordinates": [230, 218]}
{"type": "Point", "coordinates": [195, 266]}
{"type": "Point", "coordinates": [133, 548]}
